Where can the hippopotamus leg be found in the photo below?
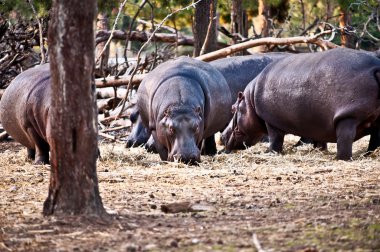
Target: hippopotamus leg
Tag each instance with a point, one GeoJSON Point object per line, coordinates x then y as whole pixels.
{"type": "Point", "coordinates": [161, 149]}
{"type": "Point", "coordinates": [209, 146]}
{"type": "Point", "coordinates": [276, 138]}
{"type": "Point", "coordinates": [345, 135]}
{"type": "Point", "coordinates": [150, 145]}
{"type": "Point", "coordinates": [320, 145]}
{"type": "Point", "coordinates": [374, 140]}
{"type": "Point", "coordinates": [41, 152]}
{"type": "Point", "coordinates": [31, 153]}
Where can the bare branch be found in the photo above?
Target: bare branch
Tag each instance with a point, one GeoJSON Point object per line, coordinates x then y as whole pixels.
{"type": "Point", "coordinates": [42, 48]}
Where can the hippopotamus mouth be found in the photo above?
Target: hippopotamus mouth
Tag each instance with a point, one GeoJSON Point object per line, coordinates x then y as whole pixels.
{"type": "Point", "coordinates": [236, 133]}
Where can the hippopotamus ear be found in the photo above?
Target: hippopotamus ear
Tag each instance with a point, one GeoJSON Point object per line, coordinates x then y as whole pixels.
{"type": "Point", "coordinates": [240, 95]}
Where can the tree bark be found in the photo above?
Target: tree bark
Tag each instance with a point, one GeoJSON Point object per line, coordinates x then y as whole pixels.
{"type": "Point", "coordinates": [72, 124]}
{"type": "Point", "coordinates": [263, 28]}
{"type": "Point", "coordinates": [101, 66]}
{"type": "Point", "coordinates": [200, 26]}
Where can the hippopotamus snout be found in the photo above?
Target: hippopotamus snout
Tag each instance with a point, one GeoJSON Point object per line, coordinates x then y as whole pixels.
{"type": "Point", "coordinates": [188, 156]}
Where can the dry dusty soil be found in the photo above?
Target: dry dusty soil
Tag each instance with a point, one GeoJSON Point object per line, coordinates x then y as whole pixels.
{"type": "Point", "coordinates": [250, 200]}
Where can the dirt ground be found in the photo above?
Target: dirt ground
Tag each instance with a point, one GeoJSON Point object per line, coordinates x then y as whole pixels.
{"type": "Point", "coordinates": [246, 201]}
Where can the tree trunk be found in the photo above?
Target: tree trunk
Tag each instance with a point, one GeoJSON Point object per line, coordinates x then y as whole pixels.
{"type": "Point", "coordinates": [200, 27]}
{"type": "Point", "coordinates": [72, 125]}
{"type": "Point", "coordinates": [102, 23]}
{"type": "Point", "coordinates": [346, 40]}
{"type": "Point", "coordinates": [261, 23]}
{"type": "Point", "coordinates": [238, 22]}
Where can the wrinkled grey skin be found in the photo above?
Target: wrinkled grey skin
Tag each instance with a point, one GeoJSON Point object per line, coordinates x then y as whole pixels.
{"type": "Point", "coordinates": [238, 72]}
{"type": "Point", "coordinates": [181, 103]}
{"type": "Point", "coordinates": [24, 111]}
{"type": "Point", "coordinates": [330, 96]}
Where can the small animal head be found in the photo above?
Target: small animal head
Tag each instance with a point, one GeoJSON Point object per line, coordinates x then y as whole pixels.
{"type": "Point", "coordinates": [181, 131]}
{"type": "Point", "coordinates": [246, 128]}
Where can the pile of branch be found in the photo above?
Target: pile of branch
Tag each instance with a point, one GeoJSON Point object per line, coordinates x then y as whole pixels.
{"type": "Point", "coordinates": [315, 40]}
{"type": "Point", "coordinates": [16, 48]}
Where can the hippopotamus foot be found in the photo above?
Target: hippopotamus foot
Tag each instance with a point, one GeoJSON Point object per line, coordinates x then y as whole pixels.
{"type": "Point", "coordinates": [162, 151]}
{"type": "Point", "coordinates": [320, 145]}
{"type": "Point", "coordinates": [345, 134]}
{"type": "Point", "coordinates": [276, 138]}
{"type": "Point", "coordinates": [209, 146]}
{"type": "Point", "coordinates": [31, 153]}
{"type": "Point", "coordinates": [317, 145]}
{"type": "Point", "coordinates": [41, 151]}
{"type": "Point", "coordinates": [150, 145]}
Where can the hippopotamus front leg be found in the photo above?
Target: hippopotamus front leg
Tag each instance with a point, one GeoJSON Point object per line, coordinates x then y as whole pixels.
{"type": "Point", "coordinates": [161, 149]}
{"type": "Point", "coordinates": [41, 151]}
{"type": "Point", "coordinates": [345, 136]}
{"type": "Point", "coordinates": [276, 138]}
{"type": "Point", "coordinates": [209, 146]}
{"type": "Point", "coordinates": [374, 140]}
{"type": "Point", "coordinates": [31, 153]}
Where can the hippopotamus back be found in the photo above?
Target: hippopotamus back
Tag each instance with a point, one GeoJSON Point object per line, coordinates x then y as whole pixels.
{"type": "Point", "coordinates": [24, 107]}
{"type": "Point", "coordinates": [240, 70]}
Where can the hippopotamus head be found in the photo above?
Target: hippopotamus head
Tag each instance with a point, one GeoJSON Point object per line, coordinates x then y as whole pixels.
{"type": "Point", "coordinates": [180, 130]}
{"type": "Point", "coordinates": [139, 134]}
{"type": "Point", "coordinates": [246, 128]}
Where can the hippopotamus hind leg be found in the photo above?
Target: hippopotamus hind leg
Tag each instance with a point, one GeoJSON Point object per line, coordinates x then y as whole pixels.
{"type": "Point", "coordinates": [209, 146]}
{"type": "Point", "coordinates": [276, 138]}
{"type": "Point", "coordinates": [41, 148]}
{"type": "Point", "coordinates": [345, 136]}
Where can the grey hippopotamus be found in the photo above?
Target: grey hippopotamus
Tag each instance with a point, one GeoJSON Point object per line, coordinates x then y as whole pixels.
{"type": "Point", "coordinates": [330, 96]}
{"type": "Point", "coordinates": [238, 72]}
{"type": "Point", "coordinates": [24, 111]}
{"type": "Point", "coordinates": [182, 102]}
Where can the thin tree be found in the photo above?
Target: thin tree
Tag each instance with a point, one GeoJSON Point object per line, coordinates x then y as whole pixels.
{"type": "Point", "coordinates": [201, 27]}
{"type": "Point", "coordinates": [73, 188]}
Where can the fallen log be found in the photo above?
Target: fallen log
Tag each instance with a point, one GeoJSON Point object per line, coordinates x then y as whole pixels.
{"type": "Point", "coordinates": [143, 36]}
{"type": "Point", "coordinates": [266, 41]}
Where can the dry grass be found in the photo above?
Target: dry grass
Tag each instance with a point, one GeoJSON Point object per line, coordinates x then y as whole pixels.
{"type": "Point", "coordinates": [304, 200]}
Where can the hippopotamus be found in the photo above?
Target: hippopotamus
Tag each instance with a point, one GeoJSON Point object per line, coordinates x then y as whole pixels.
{"type": "Point", "coordinates": [24, 111]}
{"type": "Point", "coordinates": [182, 102]}
{"type": "Point", "coordinates": [330, 96]}
{"type": "Point", "coordinates": [238, 72]}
